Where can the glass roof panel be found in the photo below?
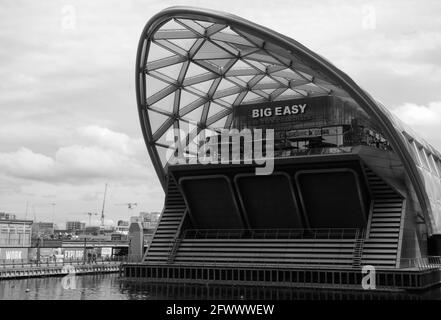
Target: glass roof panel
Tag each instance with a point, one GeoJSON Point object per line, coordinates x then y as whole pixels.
{"type": "Point", "coordinates": [165, 104]}
{"type": "Point", "coordinates": [157, 52]}
{"type": "Point", "coordinates": [258, 42]}
{"type": "Point", "coordinates": [187, 98]}
{"type": "Point", "coordinates": [154, 85]}
{"type": "Point", "coordinates": [259, 66]}
{"type": "Point", "coordinates": [203, 86]}
{"type": "Point", "coordinates": [225, 84]}
{"type": "Point", "coordinates": [184, 44]}
{"type": "Point", "coordinates": [205, 24]}
{"type": "Point", "coordinates": [227, 47]}
{"type": "Point", "coordinates": [251, 96]}
{"type": "Point", "coordinates": [172, 25]}
{"type": "Point", "coordinates": [229, 99]}
{"type": "Point", "coordinates": [167, 138]}
{"type": "Point", "coordinates": [239, 65]}
{"type": "Point", "coordinates": [214, 109]}
{"type": "Point", "coordinates": [287, 74]}
{"type": "Point", "coordinates": [262, 56]}
{"type": "Point", "coordinates": [233, 39]}
{"type": "Point", "coordinates": [164, 154]}
{"type": "Point", "coordinates": [156, 120]}
{"type": "Point", "coordinates": [210, 51]}
{"type": "Point", "coordinates": [221, 63]}
{"type": "Point", "coordinates": [220, 124]}
{"type": "Point", "coordinates": [172, 71]}
{"type": "Point", "coordinates": [267, 79]}
{"type": "Point", "coordinates": [194, 115]}
{"type": "Point", "coordinates": [192, 25]}
{"type": "Point", "coordinates": [194, 70]}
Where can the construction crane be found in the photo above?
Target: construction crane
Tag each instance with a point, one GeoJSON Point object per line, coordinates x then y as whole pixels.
{"type": "Point", "coordinates": [90, 214]}
{"type": "Point", "coordinates": [130, 206]}
{"type": "Point", "coordinates": [104, 203]}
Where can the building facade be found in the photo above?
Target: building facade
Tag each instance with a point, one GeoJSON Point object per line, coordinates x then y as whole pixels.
{"type": "Point", "coordinates": [75, 226]}
{"type": "Point", "coordinates": [349, 184]}
{"type": "Point", "coordinates": [122, 227]}
{"type": "Point", "coordinates": [15, 239]}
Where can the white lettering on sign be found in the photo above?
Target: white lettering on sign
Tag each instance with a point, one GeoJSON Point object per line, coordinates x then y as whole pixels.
{"type": "Point", "coordinates": [279, 111]}
{"type": "Point", "coordinates": [13, 255]}
{"type": "Point", "coordinates": [73, 254]}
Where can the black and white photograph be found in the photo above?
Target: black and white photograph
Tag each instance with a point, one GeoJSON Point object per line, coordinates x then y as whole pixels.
{"type": "Point", "coordinates": [215, 158]}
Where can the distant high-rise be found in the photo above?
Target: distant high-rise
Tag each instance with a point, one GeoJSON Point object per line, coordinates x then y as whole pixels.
{"type": "Point", "coordinates": [7, 216]}
{"type": "Point", "coordinates": [42, 229]}
{"type": "Point", "coordinates": [74, 226]}
{"type": "Point", "coordinates": [149, 220]}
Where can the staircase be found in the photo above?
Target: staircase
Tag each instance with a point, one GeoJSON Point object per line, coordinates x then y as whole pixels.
{"type": "Point", "coordinates": [173, 250]}
{"type": "Point", "coordinates": [379, 246]}
{"type": "Point", "coordinates": [358, 249]}
{"type": "Point", "coordinates": [301, 252]}
{"type": "Point", "coordinates": [172, 216]}
{"type": "Point", "coordinates": [384, 227]}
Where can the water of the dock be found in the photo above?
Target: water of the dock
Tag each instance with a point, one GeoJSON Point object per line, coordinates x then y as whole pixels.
{"type": "Point", "coordinates": [110, 286]}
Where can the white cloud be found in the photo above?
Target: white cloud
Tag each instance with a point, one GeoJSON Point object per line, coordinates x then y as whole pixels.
{"type": "Point", "coordinates": [103, 154]}
{"type": "Point", "coordinates": [424, 119]}
{"type": "Point", "coordinates": [24, 163]}
{"type": "Point", "coordinates": [73, 176]}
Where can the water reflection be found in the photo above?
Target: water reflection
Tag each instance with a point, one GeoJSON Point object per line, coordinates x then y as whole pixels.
{"type": "Point", "coordinates": [109, 286]}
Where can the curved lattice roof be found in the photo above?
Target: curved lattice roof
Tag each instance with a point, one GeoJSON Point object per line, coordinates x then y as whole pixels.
{"type": "Point", "coordinates": [194, 66]}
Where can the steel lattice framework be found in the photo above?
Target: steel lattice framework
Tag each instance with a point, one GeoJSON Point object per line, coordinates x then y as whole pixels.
{"type": "Point", "coordinates": [194, 66]}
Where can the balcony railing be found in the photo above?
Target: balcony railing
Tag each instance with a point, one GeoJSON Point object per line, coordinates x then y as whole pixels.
{"type": "Point", "coordinates": [422, 263]}
{"type": "Point", "coordinates": [341, 233]}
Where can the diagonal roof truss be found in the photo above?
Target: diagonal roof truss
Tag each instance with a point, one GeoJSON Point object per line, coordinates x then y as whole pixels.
{"type": "Point", "coordinates": [196, 71]}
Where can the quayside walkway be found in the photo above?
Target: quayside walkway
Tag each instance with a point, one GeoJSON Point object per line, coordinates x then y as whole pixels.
{"type": "Point", "coordinates": [22, 269]}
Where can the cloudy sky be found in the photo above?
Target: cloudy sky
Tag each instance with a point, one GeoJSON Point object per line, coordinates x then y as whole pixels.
{"type": "Point", "coordinates": [68, 116]}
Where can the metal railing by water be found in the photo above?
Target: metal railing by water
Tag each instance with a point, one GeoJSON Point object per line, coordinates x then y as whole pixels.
{"type": "Point", "coordinates": [25, 263]}
{"type": "Point", "coordinates": [341, 233]}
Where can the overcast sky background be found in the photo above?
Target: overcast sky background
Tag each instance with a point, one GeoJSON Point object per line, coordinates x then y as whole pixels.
{"type": "Point", "coordinates": [68, 115]}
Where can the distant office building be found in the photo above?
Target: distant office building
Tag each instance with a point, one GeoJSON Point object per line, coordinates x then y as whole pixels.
{"type": "Point", "coordinates": [92, 230]}
{"type": "Point", "coordinates": [42, 229]}
{"type": "Point", "coordinates": [149, 220]}
{"type": "Point", "coordinates": [15, 233]}
{"type": "Point", "coordinates": [122, 227]}
{"type": "Point", "coordinates": [75, 226]}
{"type": "Point", "coordinates": [7, 216]}
{"type": "Point", "coordinates": [15, 238]}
